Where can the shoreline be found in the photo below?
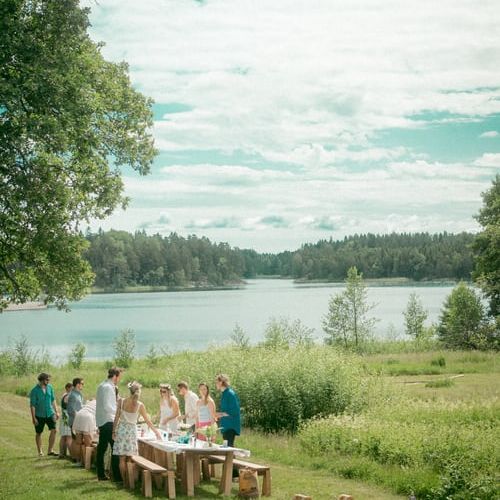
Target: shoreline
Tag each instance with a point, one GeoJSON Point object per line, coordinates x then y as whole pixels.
{"type": "Point", "coordinates": [383, 282]}
{"type": "Point", "coordinates": [26, 306]}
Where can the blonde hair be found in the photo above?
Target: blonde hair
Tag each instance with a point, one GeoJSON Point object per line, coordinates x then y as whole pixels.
{"type": "Point", "coordinates": [135, 389]}
{"type": "Point", "coordinates": [223, 379]}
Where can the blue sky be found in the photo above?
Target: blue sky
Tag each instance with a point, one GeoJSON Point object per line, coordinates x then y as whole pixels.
{"type": "Point", "coordinates": [285, 122]}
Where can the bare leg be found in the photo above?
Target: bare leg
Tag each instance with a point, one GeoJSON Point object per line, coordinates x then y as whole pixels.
{"type": "Point", "coordinates": [38, 441]}
{"type": "Point", "coordinates": [76, 445]}
{"type": "Point", "coordinates": [123, 468]}
{"type": "Point", "coordinates": [52, 440]}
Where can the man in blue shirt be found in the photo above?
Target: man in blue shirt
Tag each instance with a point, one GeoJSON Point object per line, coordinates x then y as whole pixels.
{"type": "Point", "coordinates": [75, 400]}
{"type": "Point", "coordinates": [230, 414]}
{"type": "Point", "coordinates": [44, 412]}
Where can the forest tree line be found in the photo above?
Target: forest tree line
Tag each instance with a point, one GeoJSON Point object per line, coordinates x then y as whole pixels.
{"type": "Point", "coordinates": [120, 259]}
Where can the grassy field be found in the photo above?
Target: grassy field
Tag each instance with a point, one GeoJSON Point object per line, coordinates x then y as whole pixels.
{"type": "Point", "coordinates": [412, 421]}
{"type": "Point", "coordinates": [26, 476]}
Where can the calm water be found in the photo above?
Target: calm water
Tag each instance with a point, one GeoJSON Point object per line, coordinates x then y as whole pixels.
{"type": "Point", "coordinates": [192, 320]}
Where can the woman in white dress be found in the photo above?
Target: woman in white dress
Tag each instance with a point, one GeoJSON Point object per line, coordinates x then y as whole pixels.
{"type": "Point", "coordinates": [206, 414]}
{"type": "Point", "coordinates": [169, 409]}
{"type": "Point", "coordinates": [125, 426]}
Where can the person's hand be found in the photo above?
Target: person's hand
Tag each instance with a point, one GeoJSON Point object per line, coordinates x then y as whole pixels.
{"type": "Point", "coordinates": [57, 415]}
{"type": "Point", "coordinates": [35, 421]}
{"type": "Point", "coordinates": [221, 414]}
{"type": "Point", "coordinates": [157, 433]}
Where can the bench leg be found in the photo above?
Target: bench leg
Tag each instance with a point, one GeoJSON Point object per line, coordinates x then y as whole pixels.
{"type": "Point", "coordinates": [88, 457]}
{"type": "Point", "coordinates": [266, 484]}
{"type": "Point", "coordinates": [170, 484]}
{"type": "Point", "coordinates": [158, 481]}
{"type": "Point", "coordinates": [212, 470]}
{"type": "Point", "coordinates": [147, 485]}
{"type": "Point", "coordinates": [131, 475]}
{"type": "Point", "coordinates": [204, 469]}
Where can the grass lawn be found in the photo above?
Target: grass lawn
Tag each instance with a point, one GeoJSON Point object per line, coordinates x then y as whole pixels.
{"type": "Point", "coordinates": [23, 475]}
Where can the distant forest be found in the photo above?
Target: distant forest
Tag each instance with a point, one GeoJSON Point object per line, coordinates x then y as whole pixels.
{"type": "Point", "coordinates": [120, 259]}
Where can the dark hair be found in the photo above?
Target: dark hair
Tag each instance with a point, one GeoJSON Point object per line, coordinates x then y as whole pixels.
{"type": "Point", "coordinates": [43, 376]}
{"type": "Point", "coordinates": [68, 385]}
{"type": "Point", "coordinates": [208, 391]}
{"type": "Point", "coordinates": [114, 372]}
{"type": "Point", "coordinates": [182, 385]}
{"type": "Point", "coordinates": [77, 381]}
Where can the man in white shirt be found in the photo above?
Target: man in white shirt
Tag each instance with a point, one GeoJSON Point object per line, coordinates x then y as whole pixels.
{"type": "Point", "coordinates": [190, 400]}
{"type": "Point", "coordinates": [105, 415]}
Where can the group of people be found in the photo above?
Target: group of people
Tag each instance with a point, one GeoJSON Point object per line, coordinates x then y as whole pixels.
{"type": "Point", "coordinates": [115, 419]}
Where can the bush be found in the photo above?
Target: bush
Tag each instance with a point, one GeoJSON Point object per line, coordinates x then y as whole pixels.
{"type": "Point", "coordinates": [239, 338]}
{"type": "Point", "coordinates": [411, 435]}
{"type": "Point", "coordinates": [463, 322]}
{"type": "Point", "coordinates": [124, 347]}
{"type": "Point", "coordinates": [152, 357]}
{"type": "Point", "coordinates": [282, 332]}
{"type": "Point", "coordinates": [21, 359]}
{"type": "Point", "coordinates": [441, 361]}
{"type": "Point", "coordinates": [77, 355]}
{"type": "Point", "coordinates": [445, 382]}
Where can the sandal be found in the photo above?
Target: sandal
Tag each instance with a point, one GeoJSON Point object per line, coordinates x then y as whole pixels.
{"type": "Point", "coordinates": [53, 454]}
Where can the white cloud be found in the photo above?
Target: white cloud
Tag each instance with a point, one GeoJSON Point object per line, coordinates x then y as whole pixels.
{"type": "Point", "coordinates": [271, 77]}
{"type": "Point", "coordinates": [490, 134]}
{"type": "Point", "coordinates": [488, 160]}
{"type": "Point", "coordinates": [305, 89]}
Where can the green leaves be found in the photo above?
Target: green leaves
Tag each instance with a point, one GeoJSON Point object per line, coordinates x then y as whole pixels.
{"type": "Point", "coordinates": [67, 116]}
{"type": "Point", "coordinates": [347, 322]}
{"type": "Point", "coordinates": [487, 247]}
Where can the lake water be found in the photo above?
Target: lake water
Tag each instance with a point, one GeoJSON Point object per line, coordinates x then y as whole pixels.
{"type": "Point", "coordinates": [193, 320]}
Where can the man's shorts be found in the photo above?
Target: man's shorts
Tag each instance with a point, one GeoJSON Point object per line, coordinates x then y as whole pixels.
{"type": "Point", "coordinates": [51, 424]}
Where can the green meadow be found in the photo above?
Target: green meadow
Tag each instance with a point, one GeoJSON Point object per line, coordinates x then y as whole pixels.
{"type": "Point", "coordinates": [328, 422]}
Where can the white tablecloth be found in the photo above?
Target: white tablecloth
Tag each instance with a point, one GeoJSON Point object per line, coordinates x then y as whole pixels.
{"type": "Point", "coordinates": [200, 446]}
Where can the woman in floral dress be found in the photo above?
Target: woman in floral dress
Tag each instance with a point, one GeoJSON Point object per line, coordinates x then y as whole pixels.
{"type": "Point", "coordinates": [125, 426]}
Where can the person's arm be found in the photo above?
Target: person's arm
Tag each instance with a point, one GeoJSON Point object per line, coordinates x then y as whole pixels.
{"type": "Point", "coordinates": [175, 409]}
{"type": "Point", "coordinates": [142, 411]}
{"type": "Point", "coordinates": [197, 424]}
{"type": "Point", "coordinates": [33, 402]}
{"type": "Point", "coordinates": [190, 407]}
{"type": "Point", "coordinates": [33, 417]}
{"type": "Point", "coordinates": [108, 400]}
{"type": "Point", "coordinates": [211, 407]}
{"type": "Point", "coordinates": [117, 419]}
{"type": "Point", "coordinates": [54, 404]}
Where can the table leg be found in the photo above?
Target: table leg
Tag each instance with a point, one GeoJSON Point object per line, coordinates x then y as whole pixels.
{"type": "Point", "coordinates": [196, 469]}
{"type": "Point", "coordinates": [227, 475]}
{"type": "Point", "coordinates": [188, 471]}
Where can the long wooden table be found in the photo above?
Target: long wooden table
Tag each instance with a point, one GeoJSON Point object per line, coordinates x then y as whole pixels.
{"type": "Point", "coordinates": [192, 455]}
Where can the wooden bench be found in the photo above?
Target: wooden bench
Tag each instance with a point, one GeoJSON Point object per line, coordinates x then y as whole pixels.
{"type": "Point", "coordinates": [150, 469]}
{"type": "Point", "coordinates": [262, 470]}
{"type": "Point", "coordinates": [89, 453]}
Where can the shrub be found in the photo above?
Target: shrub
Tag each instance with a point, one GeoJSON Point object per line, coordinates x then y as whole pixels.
{"type": "Point", "coordinates": [282, 332]}
{"type": "Point", "coordinates": [152, 357]}
{"type": "Point", "coordinates": [462, 323]}
{"type": "Point", "coordinates": [441, 361]}
{"type": "Point", "coordinates": [239, 338]}
{"type": "Point", "coordinates": [411, 435]}
{"type": "Point", "coordinates": [124, 347]}
{"type": "Point", "coordinates": [77, 355]}
{"type": "Point", "coordinates": [445, 382]}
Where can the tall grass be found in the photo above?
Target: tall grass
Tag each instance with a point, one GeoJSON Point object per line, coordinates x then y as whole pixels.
{"type": "Point", "coordinates": [448, 441]}
{"type": "Point", "coordinates": [278, 388]}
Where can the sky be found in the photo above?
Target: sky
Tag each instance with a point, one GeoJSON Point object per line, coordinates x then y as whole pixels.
{"type": "Point", "coordinates": [284, 122]}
